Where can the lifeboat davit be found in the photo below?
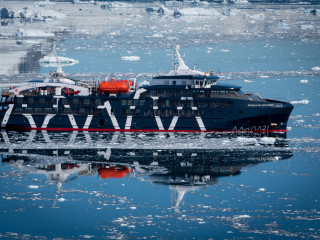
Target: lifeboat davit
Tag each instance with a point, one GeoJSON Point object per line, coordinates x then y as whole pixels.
{"type": "Point", "coordinates": [115, 86]}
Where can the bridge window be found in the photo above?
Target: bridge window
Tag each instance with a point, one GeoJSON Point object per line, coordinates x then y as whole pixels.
{"type": "Point", "coordinates": [30, 100]}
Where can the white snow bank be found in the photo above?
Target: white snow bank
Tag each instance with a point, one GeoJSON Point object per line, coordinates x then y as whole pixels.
{"type": "Point", "coordinates": [316, 68]}
{"type": "Point", "coordinates": [256, 17]}
{"type": "Point", "coordinates": [51, 61]}
{"type": "Point", "coordinates": [199, 12]}
{"type": "Point", "coordinates": [130, 58]}
{"type": "Point", "coordinates": [307, 27]}
{"type": "Point", "coordinates": [304, 101]}
{"type": "Point", "coordinates": [38, 13]}
{"type": "Point", "coordinates": [33, 33]}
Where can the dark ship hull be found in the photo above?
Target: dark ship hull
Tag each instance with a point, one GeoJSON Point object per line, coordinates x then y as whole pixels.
{"type": "Point", "coordinates": [205, 114]}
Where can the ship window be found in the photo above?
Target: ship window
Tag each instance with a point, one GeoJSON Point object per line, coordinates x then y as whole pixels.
{"type": "Point", "coordinates": [48, 110]}
{"type": "Point", "coordinates": [38, 110]}
{"type": "Point", "coordinates": [155, 102]}
{"type": "Point", "coordinates": [75, 101]}
{"type": "Point", "coordinates": [98, 101]}
{"type": "Point", "coordinates": [123, 102]}
{"type": "Point", "coordinates": [86, 101]}
{"type": "Point", "coordinates": [42, 101]}
{"type": "Point", "coordinates": [166, 82]}
{"type": "Point", "coordinates": [130, 102]}
{"type": "Point", "coordinates": [19, 100]}
{"type": "Point", "coordinates": [18, 109]}
{"type": "Point", "coordinates": [153, 92]}
{"type": "Point", "coordinates": [174, 82]}
{"type": "Point", "coordinates": [184, 82]}
{"type": "Point", "coordinates": [67, 110]}
{"type": "Point", "coordinates": [64, 101]}
{"type": "Point", "coordinates": [136, 102]}
{"type": "Point", "coordinates": [141, 102]}
{"type": "Point", "coordinates": [30, 100]}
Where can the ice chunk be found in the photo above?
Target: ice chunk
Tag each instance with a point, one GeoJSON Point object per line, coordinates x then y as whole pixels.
{"type": "Point", "coordinates": [304, 81]}
{"type": "Point", "coordinates": [256, 17]}
{"type": "Point", "coordinates": [267, 140]}
{"type": "Point", "coordinates": [130, 58]}
{"type": "Point", "coordinates": [33, 186]}
{"type": "Point", "coordinates": [316, 68]}
{"type": "Point", "coordinates": [33, 33]}
{"type": "Point", "coordinates": [200, 12]}
{"type": "Point", "coordinates": [242, 216]}
{"type": "Point", "coordinates": [51, 61]}
{"type": "Point", "coordinates": [304, 101]}
{"type": "Point", "coordinates": [307, 27]}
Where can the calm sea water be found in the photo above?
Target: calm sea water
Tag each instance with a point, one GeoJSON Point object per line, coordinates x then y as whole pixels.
{"type": "Point", "coordinates": [171, 186]}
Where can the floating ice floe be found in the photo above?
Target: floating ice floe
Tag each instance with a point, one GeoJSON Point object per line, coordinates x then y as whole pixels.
{"type": "Point", "coordinates": [241, 216]}
{"type": "Point", "coordinates": [304, 81]}
{"type": "Point", "coordinates": [261, 189]}
{"type": "Point", "coordinates": [33, 33]}
{"type": "Point", "coordinates": [248, 81]}
{"type": "Point", "coordinates": [61, 199]}
{"type": "Point", "coordinates": [52, 61]}
{"type": "Point", "coordinates": [304, 101]}
{"type": "Point", "coordinates": [267, 140]}
{"type": "Point", "coordinates": [200, 12]}
{"type": "Point", "coordinates": [316, 68]}
{"type": "Point", "coordinates": [33, 186]}
{"type": "Point", "coordinates": [224, 50]}
{"type": "Point", "coordinates": [130, 58]}
{"type": "Point", "coordinates": [307, 27]}
{"type": "Point", "coordinates": [300, 121]}
{"type": "Point", "coordinates": [37, 13]}
{"type": "Point", "coordinates": [256, 17]}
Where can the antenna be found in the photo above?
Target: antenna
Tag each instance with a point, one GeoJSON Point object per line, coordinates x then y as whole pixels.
{"type": "Point", "coordinates": [59, 69]}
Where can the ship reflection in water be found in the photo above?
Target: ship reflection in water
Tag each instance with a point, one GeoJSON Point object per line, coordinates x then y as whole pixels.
{"type": "Point", "coordinates": [183, 162]}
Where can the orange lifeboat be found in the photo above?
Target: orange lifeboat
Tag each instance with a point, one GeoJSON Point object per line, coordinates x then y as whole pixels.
{"type": "Point", "coordinates": [115, 86]}
{"type": "Point", "coordinates": [113, 172]}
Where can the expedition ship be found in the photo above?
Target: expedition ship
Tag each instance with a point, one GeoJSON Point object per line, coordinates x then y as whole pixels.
{"type": "Point", "coordinates": [184, 100]}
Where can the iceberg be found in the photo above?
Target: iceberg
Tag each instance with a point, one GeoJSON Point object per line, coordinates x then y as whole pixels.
{"type": "Point", "coordinates": [130, 58]}
{"type": "Point", "coordinates": [32, 33]}
{"type": "Point", "coordinates": [52, 61]}
{"type": "Point", "coordinates": [316, 68]}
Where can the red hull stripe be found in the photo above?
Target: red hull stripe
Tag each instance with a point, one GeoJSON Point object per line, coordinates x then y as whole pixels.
{"type": "Point", "coordinates": [141, 130]}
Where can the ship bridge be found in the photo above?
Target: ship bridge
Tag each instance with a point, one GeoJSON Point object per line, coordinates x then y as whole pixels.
{"type": "Point", "coordinates": [181, 74]}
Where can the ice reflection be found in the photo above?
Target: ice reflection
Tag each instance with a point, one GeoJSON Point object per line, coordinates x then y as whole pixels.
{"type": "Point", "coordinates": [195, 161]}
